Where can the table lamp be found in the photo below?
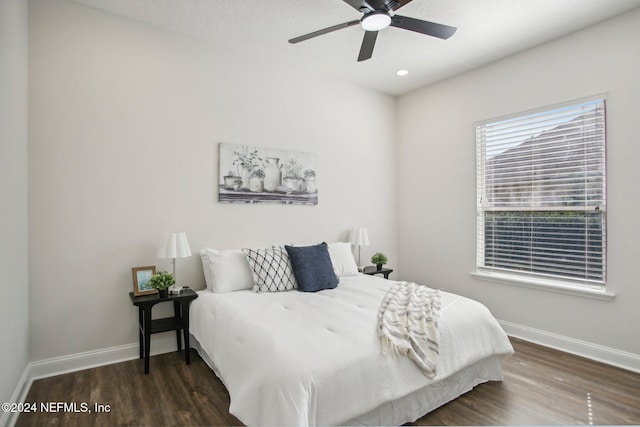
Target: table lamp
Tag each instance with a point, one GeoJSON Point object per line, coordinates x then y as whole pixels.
{"type": "Point", "coordinates": [174, 245]}
{"type": "Point", "coordinates": [359, 237]}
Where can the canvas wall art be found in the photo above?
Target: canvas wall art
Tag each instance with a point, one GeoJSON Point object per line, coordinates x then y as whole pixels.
{"type": "Point", "coordinates": [252, 174]}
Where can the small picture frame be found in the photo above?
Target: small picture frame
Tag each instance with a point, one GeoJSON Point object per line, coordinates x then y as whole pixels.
{"type": "Point", "coordinates": [141, 276]}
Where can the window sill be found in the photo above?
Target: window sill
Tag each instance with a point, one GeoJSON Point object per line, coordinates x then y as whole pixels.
{"type": "Point", "coordinates": [545, 285]}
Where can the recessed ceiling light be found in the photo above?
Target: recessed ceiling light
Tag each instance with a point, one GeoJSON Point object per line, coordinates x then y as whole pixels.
{"type": "Point", "coordinates": [402, 72]}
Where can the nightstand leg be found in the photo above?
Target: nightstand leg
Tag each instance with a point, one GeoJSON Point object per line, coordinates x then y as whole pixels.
{"type": "Point", "coordinates": [147, 339]}
{"type": "Point", "coordinates": [185, 329]}
{"type": "Point", "coordinates": [178, 314]}
{"type": "Point", "coordinates": [140, 329]}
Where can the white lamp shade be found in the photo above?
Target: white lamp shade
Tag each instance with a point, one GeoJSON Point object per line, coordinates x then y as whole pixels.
{"type": "Point", "coordinates": [359, 236]}
{"type": "Point", "coordinates": [174, 245]}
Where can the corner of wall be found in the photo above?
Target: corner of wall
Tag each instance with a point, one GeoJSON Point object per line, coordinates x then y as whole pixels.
{"type": "Point", "coordinates": [14, 258]}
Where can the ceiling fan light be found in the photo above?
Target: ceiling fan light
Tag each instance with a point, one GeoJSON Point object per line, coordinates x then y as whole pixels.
{"type": "Point", "coordinates": [376, 21]}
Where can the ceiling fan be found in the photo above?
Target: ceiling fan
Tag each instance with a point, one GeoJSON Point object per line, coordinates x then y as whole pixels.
{"type": "Point", "coordinates": [378, 15]}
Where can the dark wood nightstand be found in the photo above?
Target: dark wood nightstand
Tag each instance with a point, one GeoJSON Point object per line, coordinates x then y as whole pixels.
{"type": "Point", "coordinates": [179, 322]}
{"type": "Point", "coordinates": [373, 270]}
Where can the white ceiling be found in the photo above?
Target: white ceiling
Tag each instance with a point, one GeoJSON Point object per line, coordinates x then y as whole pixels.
{"type": "Point", "coordinates": [487, 30]}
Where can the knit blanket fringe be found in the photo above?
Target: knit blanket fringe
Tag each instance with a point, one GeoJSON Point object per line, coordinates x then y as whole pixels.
{"type": "Point", "coordinates": [408, 324]}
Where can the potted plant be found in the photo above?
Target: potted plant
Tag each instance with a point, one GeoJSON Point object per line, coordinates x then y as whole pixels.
{"type": "Point", "coordinates": [161, 281]}
{"type": "Point", "coordinates": [245, 160]}
{"type": "Point", "coordinates": [379, 259]}
{"type": "Point", "coordinates": [256, 181]}
{"type": "Point", "coordinates": [230, 179]}
{"type": "Point", "coordinates": [292, 175]}
{"type": "Point", "coordinates": [310, 181]}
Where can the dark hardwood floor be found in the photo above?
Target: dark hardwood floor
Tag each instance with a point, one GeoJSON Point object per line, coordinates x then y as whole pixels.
{"type": "Point", "coordinates": [541, 387]}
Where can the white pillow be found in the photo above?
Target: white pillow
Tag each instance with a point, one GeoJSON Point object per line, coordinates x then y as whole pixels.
{"type": "Point", "coordinates": [342, 259]}
{"type": "Point", "coordinates": [226, 270]}
{"type": "Point", "coordinates": [206, 268]}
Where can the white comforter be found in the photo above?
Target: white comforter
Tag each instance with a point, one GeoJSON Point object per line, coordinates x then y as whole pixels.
{"type": "Point", "coordinates": [295, 358]}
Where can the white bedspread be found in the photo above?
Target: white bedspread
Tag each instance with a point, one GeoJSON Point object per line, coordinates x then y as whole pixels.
{"type": "Point", "coordinates": [295, 358]}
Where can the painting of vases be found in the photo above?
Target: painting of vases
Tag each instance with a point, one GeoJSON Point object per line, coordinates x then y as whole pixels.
{"type": "Point", "coordinates": [254, 174]}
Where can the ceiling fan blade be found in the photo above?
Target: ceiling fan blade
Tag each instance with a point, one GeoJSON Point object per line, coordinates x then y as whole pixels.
{"type": "Point", "coordinates": [395, 5]}
{"type": "Point", "coordinates": [359, 5]}
{"type": "Point", "coordinates": [368, 42]}
{"type": "Point", "coordinates": [423, 27]}
{"type": "Point", "coordinates": [324, 31]}
{"type": "Point", "coordinates": [371, 5]}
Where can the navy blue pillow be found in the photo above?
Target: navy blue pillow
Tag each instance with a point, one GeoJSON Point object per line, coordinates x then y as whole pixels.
{"type": "Point", "coordinates": [312, 267]}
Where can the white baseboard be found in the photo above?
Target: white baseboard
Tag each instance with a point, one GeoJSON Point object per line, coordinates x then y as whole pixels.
{"type": "Point", "coordinates": [91, 359]}
{"type": "Point", "coordinates": [19, 395]}
{"type": "Point", "coordinates": [608, 355]}
{"type": "Point", "coordinates": [78, 362]}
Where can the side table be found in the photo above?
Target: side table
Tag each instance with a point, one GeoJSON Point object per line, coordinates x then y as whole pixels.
{"type": "Point", "coordinates": [179, 322]}
{"type": "Point", "coordinates": [373, 270]}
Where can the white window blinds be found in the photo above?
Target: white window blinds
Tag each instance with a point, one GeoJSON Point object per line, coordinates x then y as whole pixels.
{"type": "Point", "coordinates": [541, 193]}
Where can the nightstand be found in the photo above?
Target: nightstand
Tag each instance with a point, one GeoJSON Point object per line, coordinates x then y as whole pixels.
{"type": "Point", "coordinates": [179, 322]}
{"type": "Point", "coordinates": [373, 270]}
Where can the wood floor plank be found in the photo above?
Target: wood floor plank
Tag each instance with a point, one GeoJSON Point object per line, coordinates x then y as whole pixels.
{"type": "Point", "coordinates": [541, 386]}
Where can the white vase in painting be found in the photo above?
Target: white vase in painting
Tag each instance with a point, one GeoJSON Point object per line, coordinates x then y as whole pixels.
{"type": "Point", "coordinates": [310, 185]}
{"type": "Point", "coordinates": [273, 174]}
{"type": "Point", "coordinates": [294, 183]}
{"type": "Point", "coordinates": [246, 174]}
{"type": "Point", "coordinates": [256, 185]}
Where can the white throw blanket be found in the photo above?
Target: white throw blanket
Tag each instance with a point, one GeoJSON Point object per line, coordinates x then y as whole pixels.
{"type": "Point", "coordinates": [408, 324]}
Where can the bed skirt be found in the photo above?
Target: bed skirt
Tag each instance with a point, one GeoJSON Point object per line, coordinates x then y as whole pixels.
{"type": "Point", "coordinates": [413, 406]}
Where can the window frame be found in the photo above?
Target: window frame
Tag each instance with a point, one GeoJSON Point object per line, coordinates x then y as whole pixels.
{"type": "Point", "coordinates": [574, 286]}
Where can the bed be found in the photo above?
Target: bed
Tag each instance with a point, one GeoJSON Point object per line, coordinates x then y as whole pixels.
{"type": "Point", "coordinates": [314, 358]}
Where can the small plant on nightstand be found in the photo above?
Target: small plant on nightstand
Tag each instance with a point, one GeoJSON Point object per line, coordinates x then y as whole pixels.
{"type": "Point", "coordinates": [379, 259]}
{"type": "Point", "coordinates": [161, 281]}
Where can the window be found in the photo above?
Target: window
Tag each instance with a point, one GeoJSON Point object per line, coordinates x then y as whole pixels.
{"type": "Point", "coordinates": [541, 194]}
